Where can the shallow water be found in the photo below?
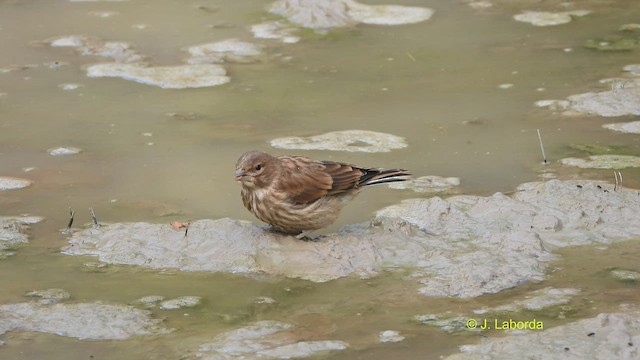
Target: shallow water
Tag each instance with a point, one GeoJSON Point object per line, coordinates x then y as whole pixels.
{"type": "Point", "coordinates": [435, 83]}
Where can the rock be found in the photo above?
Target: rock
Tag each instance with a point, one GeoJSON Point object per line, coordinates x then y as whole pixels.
{"type": "Point", "coordinates": [632, 127]}
{"type": "Point", "coordinates": [607, 336]}
{"type": "Point", "coordinates": [181, 302]}
{"type": "Point", "coordinates": [543, 18]}
{"type": "Point", "coordinates": [390, 336]}
{"type": "Point", "coordinates": [454, 244]}
{"type": "Point", "coordinates": [64, 151]}
{"type": "Point", "coordinates": [427, 184]}
{"type": "Point", "coordinates": [150, 301]}
{"type": "Point", "coordinates": [326, 14]}
{"type": "Point", "coordinates": [275, 30]}
{"type": "Point", "coordinates": [604, 162]}
{"type": "Point", "coordinates": [347, 140]}
{"type": "Point", "coordinates": [230, 50]}
{"type": "Point", "coordinates": [166, 77]}
{"type": "Point", "coordinates": [626, 275]}
{"type": "Point", "coordinates": [11, 183]}
{"type": "Point", "coordinates": [84, 321]}
{"type": "Point", "coordinates": [120, 52]}
{"type": "Point", "coordinates": [50, 296]}
{"type": "Point", "coordinates": [264, 300]}
{"type": "Point", "coordinates": [264, 340]}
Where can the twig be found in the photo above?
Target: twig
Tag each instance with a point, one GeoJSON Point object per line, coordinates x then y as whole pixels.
{"type": "Point", "coordinates": [620, 175]}
{"type": "Point", "coordinates": [544, 157]}
{"type": "Point", "coordinates": [71, 215]}
{"type": "Point", "coordinates": [93, 216]}
{"type": "Point", "coordinates": [618, 179]}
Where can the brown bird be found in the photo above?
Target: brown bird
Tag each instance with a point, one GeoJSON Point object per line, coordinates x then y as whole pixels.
{"type": "Point", "coordinates": [296, 194]}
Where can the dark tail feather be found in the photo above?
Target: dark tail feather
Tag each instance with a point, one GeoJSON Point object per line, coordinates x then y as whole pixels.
{"type": "Point", "coordinates": [382, 176]}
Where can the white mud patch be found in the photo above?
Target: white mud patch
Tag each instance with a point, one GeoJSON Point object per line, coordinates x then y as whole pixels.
{"type": "Point", "coordinates": [452, 245]}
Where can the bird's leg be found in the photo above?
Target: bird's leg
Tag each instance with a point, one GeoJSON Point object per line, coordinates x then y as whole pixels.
{"type": "Point", "coordinates": [303, 235]}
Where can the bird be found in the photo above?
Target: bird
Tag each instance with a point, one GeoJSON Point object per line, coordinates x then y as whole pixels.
{"type": "Point", "coordinates": [297, 195]}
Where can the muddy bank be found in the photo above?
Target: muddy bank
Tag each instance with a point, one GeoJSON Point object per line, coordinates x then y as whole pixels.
{"type": "Point", "coordinates": [461, 246]}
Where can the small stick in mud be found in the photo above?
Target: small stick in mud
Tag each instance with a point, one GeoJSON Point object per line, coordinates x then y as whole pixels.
{"type": "Point", "coordinates": [618, 179]}
{"type": "Point", "coordinates": [71, 215]}
{"type": "Point", "coordinates": [544, 157]}
{"type": "Point", "coordinates": [93, 216]}
{"type": "Point", "coordinates": [620, 176]}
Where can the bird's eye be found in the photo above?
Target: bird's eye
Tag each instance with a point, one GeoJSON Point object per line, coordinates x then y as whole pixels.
{"type": "Point", "coordinates": [258, 167]}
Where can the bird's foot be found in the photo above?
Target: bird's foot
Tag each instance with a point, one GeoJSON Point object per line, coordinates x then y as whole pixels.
{"type": "Point", "coordinates": [304, 236]}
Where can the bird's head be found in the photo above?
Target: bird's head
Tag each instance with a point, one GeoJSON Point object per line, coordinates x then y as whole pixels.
{"type": "Point", "coordinates": [254, 169]}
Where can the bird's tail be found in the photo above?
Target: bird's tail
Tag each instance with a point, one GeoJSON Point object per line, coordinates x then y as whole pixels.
{"type": "Point", "coordinates": [381, 176]}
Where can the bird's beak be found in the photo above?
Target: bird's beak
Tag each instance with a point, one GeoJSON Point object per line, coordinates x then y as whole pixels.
{"type": "Point", "coordinates": [239, 174]}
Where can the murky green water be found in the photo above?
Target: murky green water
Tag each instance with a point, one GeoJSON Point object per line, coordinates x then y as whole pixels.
{"type": "Point", "coordinates": [435, 83]}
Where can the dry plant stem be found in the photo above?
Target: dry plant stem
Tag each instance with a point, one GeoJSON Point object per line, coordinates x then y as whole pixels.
{"type": "Point", "coordinates": [618, 180]}
{"type": "Point", "coordinates": [544, 157]}
{"type": "Point", "coordinates": [93, 216]}
{"type": "Point", "coordinates": [71, 215]}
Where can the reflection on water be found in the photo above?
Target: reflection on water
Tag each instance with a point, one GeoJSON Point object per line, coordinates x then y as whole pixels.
{"type": "Point", "coordinates": [460, 88]}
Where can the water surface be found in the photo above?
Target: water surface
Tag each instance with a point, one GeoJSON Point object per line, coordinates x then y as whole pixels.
{"type": "Point", "coordinates": [436, 83]}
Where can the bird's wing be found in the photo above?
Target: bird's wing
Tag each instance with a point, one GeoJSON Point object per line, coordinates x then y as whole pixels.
{"type": "Point", "coordinates": [306, 180]}
{"type": "Point", "coordinates": [345, 177]}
